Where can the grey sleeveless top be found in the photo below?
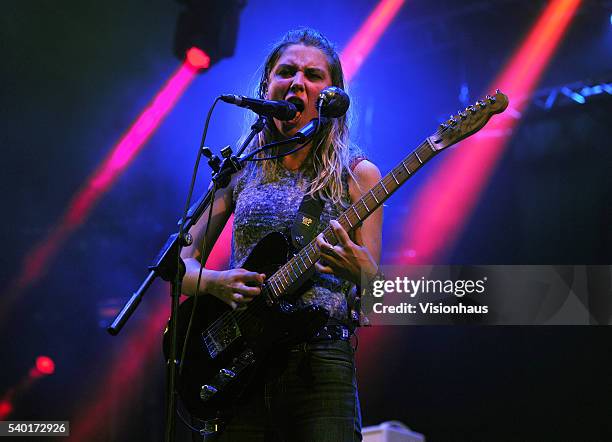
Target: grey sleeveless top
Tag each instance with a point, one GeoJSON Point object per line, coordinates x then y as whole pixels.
{"type": "Point", "coordinates": [264, 207]}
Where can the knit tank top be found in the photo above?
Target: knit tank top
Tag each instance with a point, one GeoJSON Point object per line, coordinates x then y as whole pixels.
{"type": "Point", "coordinates": [261, 208]}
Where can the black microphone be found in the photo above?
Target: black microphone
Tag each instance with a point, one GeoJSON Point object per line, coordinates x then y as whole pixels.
{"type": "Point", "coordinates": [281, 110]}
{"type": "Point", "coordinates": [333, 102]}
{"type": "Point", "coordinates": [309, 130]}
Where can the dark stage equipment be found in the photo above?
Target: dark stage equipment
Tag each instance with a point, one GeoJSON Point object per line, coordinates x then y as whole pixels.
{"type": "Point", "coordinates": [210, 25]}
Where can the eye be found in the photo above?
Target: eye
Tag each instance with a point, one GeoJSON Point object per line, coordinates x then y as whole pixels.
{"type": "Point", "coordinates": [315, 75]}
{"type": "Point", "coordinates": [285, 72]}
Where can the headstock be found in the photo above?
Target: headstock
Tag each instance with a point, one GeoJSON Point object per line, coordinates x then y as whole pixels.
{"type": "Point", "coordinates": [469, 121]}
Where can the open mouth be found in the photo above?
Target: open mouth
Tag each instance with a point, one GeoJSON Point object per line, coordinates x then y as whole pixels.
{"type": "Point", "coordinates": [297, 102]}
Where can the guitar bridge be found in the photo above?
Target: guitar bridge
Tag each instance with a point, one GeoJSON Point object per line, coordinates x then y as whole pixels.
{"type": "Point", "coordinates": [220, 335]}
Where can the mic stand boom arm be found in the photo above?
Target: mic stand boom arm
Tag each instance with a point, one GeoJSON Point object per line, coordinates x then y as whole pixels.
{"type": "Point", "coordinates": [170, 267]}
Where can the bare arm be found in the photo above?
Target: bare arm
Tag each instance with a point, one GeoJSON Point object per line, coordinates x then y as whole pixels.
{"type": "Point", "coordinates": [231, 285]}
{"type": "Point", "coordinates": [349, 259]}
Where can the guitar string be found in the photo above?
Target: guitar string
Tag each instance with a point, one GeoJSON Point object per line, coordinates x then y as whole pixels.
{"type": "Point", "coordinates": [238, 316]}
{"type": "Point", "coordinates": [241, 316]}
{"type": "Point", "coordinates": [244, 315]}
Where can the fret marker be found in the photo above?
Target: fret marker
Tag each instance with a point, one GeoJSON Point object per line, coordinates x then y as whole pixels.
{"type": "Point", "coordinates": [407, 170]}
{"type": "Point", "coordinates": [431, 146]}
{"type": "Point", "coordinates": [393, 175]}
{"type": "Point", "coordinates": [275, 284]}
{"type": "Point", "coordinates": [349, 221]}
{"type": "Point", "coordinates": [375, 199]}
{"type": "Point", "coordinates": [273, 289]}
{"type": "Point", "coordinates": [302, 259]}
{"type": "Point", "coordinates": [293, 270]}
{"type": "Point", "coordinates": [384, 188]}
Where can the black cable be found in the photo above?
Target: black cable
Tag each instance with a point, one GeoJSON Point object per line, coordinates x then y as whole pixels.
{"type": "Point", "coordinates": [182, 227]}
{"type": "Point", "coordinates": [301, 146]}
{"type": "Point", "coordinates": [280, 143]}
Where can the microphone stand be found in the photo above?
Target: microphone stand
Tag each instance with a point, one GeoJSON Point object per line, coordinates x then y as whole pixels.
{"type": "Point", "coordinates": [170, 267]}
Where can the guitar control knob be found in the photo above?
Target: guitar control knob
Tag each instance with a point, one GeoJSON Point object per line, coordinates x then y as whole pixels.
{"type": "Point", "coordinates": [227, 374]}
{"type": "Point", "coordinates": [207, 391]}
{"type": "Point", "coordinates": [187, 239]}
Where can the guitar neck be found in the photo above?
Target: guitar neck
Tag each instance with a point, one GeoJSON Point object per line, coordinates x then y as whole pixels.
{"type": "Point", "coordinates": [296, 267]}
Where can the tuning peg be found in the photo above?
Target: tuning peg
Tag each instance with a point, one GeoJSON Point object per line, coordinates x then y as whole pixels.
{"type": "Point", "coordinates": [490, 99]}
{"type": "Point", "coordinates": [463, 115]}
{"type": "Point", "coordinates": [497, 91]}
{"type": "Point", "coordinates": [470, 109]}
{"type": "Point", "coordinates": [443, 126]}
{"type": "Point", "coordinates": [481, 103]}
{"type": "Point", "coordinates": [452, 121]}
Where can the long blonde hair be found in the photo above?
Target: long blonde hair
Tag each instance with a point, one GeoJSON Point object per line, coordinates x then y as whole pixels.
{"type": "Point", "coordinates": [331, 150]}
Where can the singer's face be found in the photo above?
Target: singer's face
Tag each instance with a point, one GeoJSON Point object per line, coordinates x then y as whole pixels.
{"type": "Point", "coordinates": [301, 72]}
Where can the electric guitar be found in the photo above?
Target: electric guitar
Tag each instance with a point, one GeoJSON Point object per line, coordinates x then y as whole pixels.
{"type": "Point", "coordinates": [223, 346]}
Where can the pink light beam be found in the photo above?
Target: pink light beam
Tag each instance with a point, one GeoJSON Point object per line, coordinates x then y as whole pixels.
{"type": "Point", "coordinates": [37, 260]}
{"type": "Point", "coordinates": [443, 206]}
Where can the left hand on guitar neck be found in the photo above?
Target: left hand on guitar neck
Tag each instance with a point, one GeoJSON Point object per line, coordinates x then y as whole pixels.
{"type": "Point", "coordinates": [346, 259]}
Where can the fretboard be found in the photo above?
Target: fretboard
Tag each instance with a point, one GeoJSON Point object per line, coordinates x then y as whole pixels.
{"type": "Point", "coordinates": [296, 267]}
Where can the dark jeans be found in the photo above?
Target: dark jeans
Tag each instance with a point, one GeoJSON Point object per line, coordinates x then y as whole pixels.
{"type": "Point", "coordinates": [310, 395]}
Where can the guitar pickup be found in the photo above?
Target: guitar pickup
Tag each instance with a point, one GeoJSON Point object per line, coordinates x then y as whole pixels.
{"type": "Point", "coordinates": [227, 374]}
{"type": "Point", "coordinates": [219, 336]}
{"type": "Point", "coordinates": [207, 391]}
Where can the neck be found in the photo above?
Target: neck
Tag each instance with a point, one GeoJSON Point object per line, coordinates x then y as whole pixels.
{"type": "Point", "coordinates": [296, 159]}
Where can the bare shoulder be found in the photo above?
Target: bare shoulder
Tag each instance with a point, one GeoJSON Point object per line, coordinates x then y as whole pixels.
{"type": "Point", "coordinates": [366, 175]}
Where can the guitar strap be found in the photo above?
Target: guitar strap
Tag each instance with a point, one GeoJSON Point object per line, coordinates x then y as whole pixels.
{"type": "Point", "coordinates": [306, 221]}
{"type": "Point", "coordinates": [304, 230]}
{"type": "Point", "coordinates": [309, 215]}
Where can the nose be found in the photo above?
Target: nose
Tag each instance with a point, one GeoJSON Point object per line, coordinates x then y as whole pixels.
{"type": "Point", "coordinates": [297, 85]}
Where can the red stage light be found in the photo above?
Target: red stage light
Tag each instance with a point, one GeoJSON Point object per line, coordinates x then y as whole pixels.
{"type": "Point", "coordinates": [356, 51]}
{"type": "Point", "coordinates": [362, 43]}
{"type": "Point", "coordinates": [6, 408]}
{"type": "Point", "coordinates": [36, 261]}
{"type": "Point", "coordinates": [45, 365]}
{"type": "Point", "coordinates": [442, 207]}
{"type": "Point", "coordinates": [121, 376]}
{"type": "Point", "coordinates": [197, 58]}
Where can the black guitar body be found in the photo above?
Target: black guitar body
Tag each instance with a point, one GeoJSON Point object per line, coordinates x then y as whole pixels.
{"type": "Point", "coordinates": [225, 346]}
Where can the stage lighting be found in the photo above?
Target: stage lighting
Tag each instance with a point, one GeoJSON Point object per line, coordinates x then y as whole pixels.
{"type": "Point", "coordinates": [6, 408]}
{"type": "Point", "coordinates": [45, 365]}
{"type": "Point", "coordinates": [208, 25]}
{"type": "Point", "coordinates": [573, 95]}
